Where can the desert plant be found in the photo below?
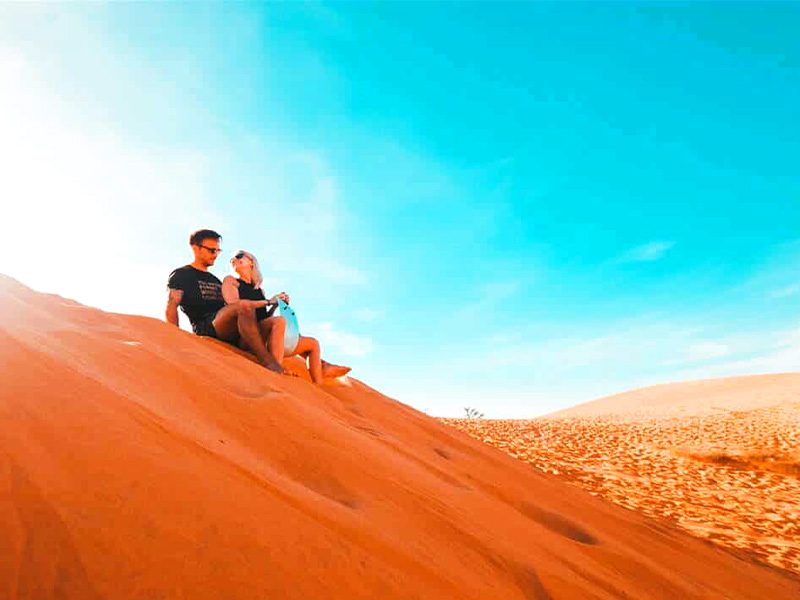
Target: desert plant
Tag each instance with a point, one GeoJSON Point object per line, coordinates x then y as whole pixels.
{"type": "Point", "coordinates": [473, 413]}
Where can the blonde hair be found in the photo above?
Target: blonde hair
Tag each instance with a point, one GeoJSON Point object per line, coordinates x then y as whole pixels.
{"type": "Point", "coordinates": [258, 279]}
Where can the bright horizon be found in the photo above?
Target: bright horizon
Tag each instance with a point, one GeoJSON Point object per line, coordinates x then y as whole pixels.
{"type": "Point", "coordinates": [512, 207]}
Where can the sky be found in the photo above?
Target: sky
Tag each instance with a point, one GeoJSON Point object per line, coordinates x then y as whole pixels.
{"type": "Point", "coordinates": [513, 207]}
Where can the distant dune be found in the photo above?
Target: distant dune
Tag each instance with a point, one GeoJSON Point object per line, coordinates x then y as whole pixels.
{"type": "Point", "coordinates": [139, 461]}
{"type": "Point", "coordinates": [695, 398]}
{"type": "Point", "coordinates": [719, 458]}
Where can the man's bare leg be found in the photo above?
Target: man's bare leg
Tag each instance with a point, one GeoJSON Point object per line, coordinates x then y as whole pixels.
{"type": "Point", "coordinates": [240, 318]}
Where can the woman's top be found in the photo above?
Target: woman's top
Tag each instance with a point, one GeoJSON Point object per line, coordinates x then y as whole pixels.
{"type": "Point", "coordinates": [248, 292]}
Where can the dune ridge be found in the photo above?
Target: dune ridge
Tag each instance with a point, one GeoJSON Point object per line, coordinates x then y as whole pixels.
{"type": "Point", "coordinates": [705, 397]}
{"type": "Point", "coordinates": [139, 461]}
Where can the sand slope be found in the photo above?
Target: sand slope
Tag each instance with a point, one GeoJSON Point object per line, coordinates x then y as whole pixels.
{"type": "Point", "coordinates": [138, 461]}
{"type": "Point", "coordinates": [718, 458]}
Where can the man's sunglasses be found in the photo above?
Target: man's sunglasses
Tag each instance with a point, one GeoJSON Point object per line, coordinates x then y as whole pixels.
{"type": "Point", "coordinates": [212, 250]}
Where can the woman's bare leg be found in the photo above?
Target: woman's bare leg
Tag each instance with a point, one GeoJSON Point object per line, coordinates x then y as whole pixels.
{"type": "Point", "coordinates": [330, 370]}
{"type": "Point", "coordinates": [308, 348]}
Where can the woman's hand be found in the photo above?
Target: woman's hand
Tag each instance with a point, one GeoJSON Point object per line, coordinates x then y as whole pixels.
{"type": "Point", "coordinates": [282, 296]}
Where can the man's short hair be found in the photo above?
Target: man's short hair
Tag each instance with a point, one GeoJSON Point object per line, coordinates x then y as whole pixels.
{"type": "Point", "coordinates": [201, 235]}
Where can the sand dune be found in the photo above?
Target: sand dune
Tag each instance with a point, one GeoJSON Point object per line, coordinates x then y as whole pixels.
{"type": "Point", "coordinates": [139, 461]}
{"type": "Point", "coordinates": [719, 458]}
{"type": "Point", "coordinates": [696, 398]}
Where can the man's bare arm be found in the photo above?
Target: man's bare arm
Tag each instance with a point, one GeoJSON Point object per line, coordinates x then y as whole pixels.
{"type": "Point", "coordinates": [173, 300]}
{"type": "Point", "coordinates": [230, 290]}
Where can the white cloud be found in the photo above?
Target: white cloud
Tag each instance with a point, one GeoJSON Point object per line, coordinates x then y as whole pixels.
{"type": "Point", "coordinates": [786, 292]}
{"type": "Point", "coordinates": [487, 296]}
{"type": "Point", "coordinates": [650, 252]}
{"type": "Point", "coordinates": [707, 350]}
{"type": "Point", "coordinates": [775, 351]}
{"type": "Point", "coordinates": [368, 315]}
{"type": "Point", "coordinates": [88, 214]}
{"type": "Point", "coordinates": [297, 229]}
{"type": "Point", "coordinates": [524, 375]}
{"type": "Point", "coordinates": [672, 350]}
{"type": "Point", "coordinates": [336, 342]}
{"type": "Point", "coordinates": [94, 213]}
{"type": "Point", "coordinates": [775, 277]}
{"type": "Point", "coordinates": [499, 290]}
{"type": "Point", "coordinates": [619, 345]}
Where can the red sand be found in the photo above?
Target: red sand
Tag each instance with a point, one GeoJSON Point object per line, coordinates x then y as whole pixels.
{"type": "Point", "coordinates": [138, 461]}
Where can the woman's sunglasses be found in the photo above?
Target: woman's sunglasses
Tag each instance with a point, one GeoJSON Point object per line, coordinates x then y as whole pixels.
{"type": "Point", "coordinates": [239, 256]}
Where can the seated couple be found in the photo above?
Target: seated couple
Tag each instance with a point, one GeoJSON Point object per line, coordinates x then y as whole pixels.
{"type": "Point", "coordinates": [235, 310]}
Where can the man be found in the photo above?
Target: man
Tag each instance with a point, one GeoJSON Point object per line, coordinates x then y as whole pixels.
{"type": "Point", "coordinates": [199, 294]}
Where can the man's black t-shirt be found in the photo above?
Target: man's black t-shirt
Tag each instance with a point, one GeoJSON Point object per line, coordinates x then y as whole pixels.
{"type": "Point", "coordinates": [202, 293]}
{"type": "Point", "coordinates": [248, 292]}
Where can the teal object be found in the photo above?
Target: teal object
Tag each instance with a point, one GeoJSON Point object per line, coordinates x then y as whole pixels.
{"type": "Point", "coordinates": [292, 335]}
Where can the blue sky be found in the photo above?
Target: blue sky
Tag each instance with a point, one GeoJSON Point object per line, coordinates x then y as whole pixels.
{"type": "Point", "coordinates": [513, 207]}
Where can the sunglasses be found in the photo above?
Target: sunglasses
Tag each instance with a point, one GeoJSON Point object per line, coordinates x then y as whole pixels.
{"type": "Point", "coordinates": [239, 256]}
{"type": "Point", "coordinates": [212, 250]}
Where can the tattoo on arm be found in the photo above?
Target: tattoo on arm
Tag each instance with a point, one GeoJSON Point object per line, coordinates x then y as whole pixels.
{"type": "Point", "coordinates": [173, 300]}
{"type": "Point", "coordinates": [230, 290]}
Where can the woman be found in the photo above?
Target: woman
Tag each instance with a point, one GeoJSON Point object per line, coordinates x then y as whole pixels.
{"type": "Point", "coordinates": [248, 287]}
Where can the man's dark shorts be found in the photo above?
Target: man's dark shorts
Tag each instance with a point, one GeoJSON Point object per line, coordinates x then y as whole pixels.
{"type": "Point", "coordinates": [205, 326]}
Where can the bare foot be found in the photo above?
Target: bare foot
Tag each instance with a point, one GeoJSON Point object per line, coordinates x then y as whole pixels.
{"type": "Point", "coordinates": [330, 371]}
{"type": "Point", "coordinates": [275, 367]}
